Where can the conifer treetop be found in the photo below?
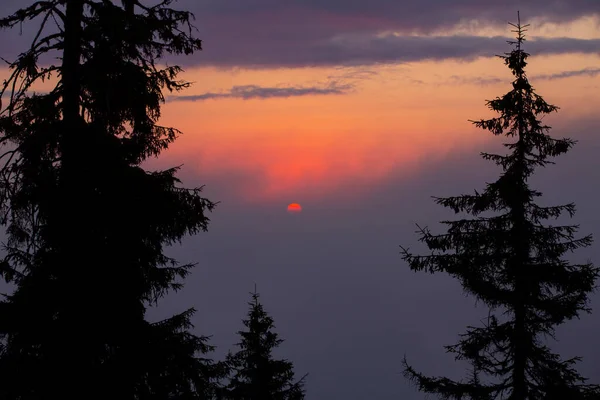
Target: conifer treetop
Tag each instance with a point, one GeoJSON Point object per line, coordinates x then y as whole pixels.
{"type": "Point", "coordinates": [257, 375]}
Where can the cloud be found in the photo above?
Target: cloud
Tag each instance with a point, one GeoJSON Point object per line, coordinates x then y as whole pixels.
{"type": "Point", "coordinates": [492, 80]}
{"type": "Point", "coordinates": [373, 49]}
{"type": "Point", "coordinates": [248, 92]}
{"type": "Point", "coordinates": [424, 16]}
{"type": "Point", "coordinates": [479, 81]}
{"type": "Point", "coordinates": [309, 33]}
{"type": "Point", "coordinates": [569, 74]}
{"type": "Point", "coordinates": [353, 74]}
{"type": "Point", "coordinates": [305, 33]}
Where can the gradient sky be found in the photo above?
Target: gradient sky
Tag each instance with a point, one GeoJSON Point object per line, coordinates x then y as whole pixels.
{"type": "Point", "coordinates": [358, 110]}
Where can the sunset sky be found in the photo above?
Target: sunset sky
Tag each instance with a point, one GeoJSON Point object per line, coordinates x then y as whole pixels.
{"type": "Point", "coordinates": [359, 111]}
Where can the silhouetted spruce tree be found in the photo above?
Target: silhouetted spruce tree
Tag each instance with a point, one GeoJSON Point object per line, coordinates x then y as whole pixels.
{"type": "Point", "coordinates": [256, 375]}
{"type": "Point", "coordinates": [508, 259]}
{"type": "Point", "coordinates": [86, 224]}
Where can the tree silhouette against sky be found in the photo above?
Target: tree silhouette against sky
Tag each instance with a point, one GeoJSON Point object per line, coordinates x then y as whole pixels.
{"type": "Point", "coordinates": [86, 224]}
{"type": "Point", "coordinates": [509, 260]}
{"type": "Point", "coordinates": [257, 375]}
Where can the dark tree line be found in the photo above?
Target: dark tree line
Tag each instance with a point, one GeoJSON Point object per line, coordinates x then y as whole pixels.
{"type": "Point", "coordinates": [507, 258]}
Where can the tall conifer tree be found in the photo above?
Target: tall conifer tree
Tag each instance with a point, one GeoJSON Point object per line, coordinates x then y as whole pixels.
{"type": "Point", "coordinates": [256, 374]}
{"type": "Point", "coordinates": [86, 223]}
{"type": "Point", "coordinates": [507, 258]}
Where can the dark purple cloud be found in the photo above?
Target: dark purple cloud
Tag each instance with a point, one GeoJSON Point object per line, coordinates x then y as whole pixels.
{"type": "Point", "coordinates": [406, 10]}
{"type": "Point", "coordinates": [354, 50]}
{"type": "Point", "coordinates": [247, 92]}
{"type": "Point", "coordinates": [407, 15]}
{"type": "Point", "coordinates": [271, 33]}
{"type": "Point", "coordinates": [304, 33]}
{"type": "Point", "coordinates": [370, 48]}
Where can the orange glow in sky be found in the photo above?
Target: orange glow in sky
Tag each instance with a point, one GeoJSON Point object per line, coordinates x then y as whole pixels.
{"type": "Point", "coordinates": [390, 120]}
{"type": "Point", "coordinates": [402, 118]}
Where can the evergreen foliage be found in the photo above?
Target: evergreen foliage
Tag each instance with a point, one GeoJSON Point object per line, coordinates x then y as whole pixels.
{"type": "Point", "coordinates": [512, 262]}
{"type": "Point", "coordinates": [86, 224]}
{"type": "Point", "coordinates": [256, 374]}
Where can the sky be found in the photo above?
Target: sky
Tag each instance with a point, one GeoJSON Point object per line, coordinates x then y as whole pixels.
{"type": "Point", "coordinates": [359, 111]}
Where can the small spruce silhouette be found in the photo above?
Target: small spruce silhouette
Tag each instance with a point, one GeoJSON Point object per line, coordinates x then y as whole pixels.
{"type": "Point", "coordinates": [256, 374]}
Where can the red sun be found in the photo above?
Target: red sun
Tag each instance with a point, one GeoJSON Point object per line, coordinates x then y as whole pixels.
{"type": "Point", "coordinates": [294, 208]}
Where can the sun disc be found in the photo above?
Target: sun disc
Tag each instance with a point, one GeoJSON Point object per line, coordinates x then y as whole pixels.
{"type": "Point", "coordinates": [294, 208]}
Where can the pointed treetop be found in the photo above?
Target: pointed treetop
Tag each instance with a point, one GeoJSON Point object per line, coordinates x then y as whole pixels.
{"type": "Point", "coordinates": [255, 295]}
{"type": "Point", "coordinates": [256, 374]}
{"type": "Point", "coordinates": [515, 60]}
